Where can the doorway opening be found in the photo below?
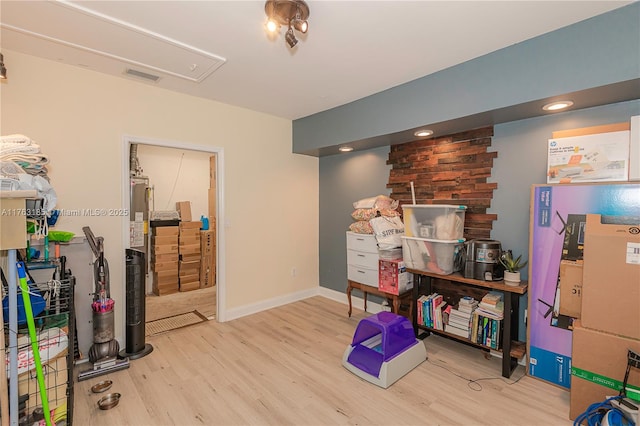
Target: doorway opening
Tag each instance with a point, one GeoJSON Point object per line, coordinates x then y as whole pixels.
{"type": "Point", "coordinates": [166, 165]}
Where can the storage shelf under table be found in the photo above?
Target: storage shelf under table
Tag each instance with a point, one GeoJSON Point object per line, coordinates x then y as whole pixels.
{"type": "Point", "coordinates": [511, 294]}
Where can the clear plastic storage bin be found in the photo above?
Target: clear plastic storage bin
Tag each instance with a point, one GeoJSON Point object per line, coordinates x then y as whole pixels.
{"type": "Point", "coordinates": [390, 254]}
{"type": "Point", "coordinates": [437, 256]}
{"type": "Point", "coordinates": [433, 221]}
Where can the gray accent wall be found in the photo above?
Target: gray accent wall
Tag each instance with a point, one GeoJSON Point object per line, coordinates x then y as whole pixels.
{"type": "Point", "coordinates": [345, 179]}
{"type": "Point", "coordinates": [521, 162]}
{"type": "Point", "coordinates": [597, 52]}
{"type": "Point", "coordinates": [594, 56]}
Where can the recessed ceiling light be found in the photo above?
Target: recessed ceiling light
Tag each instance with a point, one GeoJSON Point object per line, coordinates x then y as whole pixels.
{"type": "Point", "coordinates": [423, 132]}
{"type": "Point", "coordinates": [345, 149]}
{"type": "Point", "coordinates": [557, 106]}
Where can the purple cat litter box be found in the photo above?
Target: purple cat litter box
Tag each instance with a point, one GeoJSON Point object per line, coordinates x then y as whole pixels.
{"type": "Point", "coordinates": [384, 349]}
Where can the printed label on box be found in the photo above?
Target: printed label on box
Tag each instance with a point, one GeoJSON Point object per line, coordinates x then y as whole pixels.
{"type": "Point", "coordinates": [550, 366]}
{"type": "Point", "coordinates": [633, 253]}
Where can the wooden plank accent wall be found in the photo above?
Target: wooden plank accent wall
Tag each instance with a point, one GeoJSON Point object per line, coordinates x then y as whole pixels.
{"type": "Point", "coordinates": [451, 169]}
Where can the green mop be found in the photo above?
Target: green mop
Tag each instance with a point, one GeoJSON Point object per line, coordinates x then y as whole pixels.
{"type": "Point", "coordinates": [24, 289]}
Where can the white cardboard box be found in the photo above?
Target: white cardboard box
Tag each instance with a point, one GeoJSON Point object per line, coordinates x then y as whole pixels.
{"type": "Point", "coordinates": [600, 157]}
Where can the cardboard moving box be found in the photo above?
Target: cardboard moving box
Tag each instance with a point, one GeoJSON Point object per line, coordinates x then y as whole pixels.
{"type": "Point", "coordinates": [190, 233]}
{"type": "Point", "coordinates": [599, 362]}
{"type": "Point", "coordinates": [164, 266]}
{"type": "Point", "coordinates": [191, 249]}
{"type": "Point", "coordinates": [611, 279]}
{"type": "Point", "coordinates": [189, 267]}
{"type": "Point", "coordinates": [190, 282]}
{"type": "Point", "coordinates": [164, 249]}
{"type": "Point", "coordinates": [194, 285]}
{"type": "Point", "coordinates": [164, 289]}
{"type": "Point", "coordinates": [164, 240]}
{"type": "Point", "coordinates": [184, 208]}
{"type": "Point", "coordinates": [166, 231]}
{"type": "Point", "coordinates": [570, 288]}
{"type": "Point", "coordinates": [166, 257]}
{"type": "Point", "coordinates": [207, 242]}
{"type": "Point", "coordinates": [207, 272]}
{"type": "Point", "coordinates": [196, 224]}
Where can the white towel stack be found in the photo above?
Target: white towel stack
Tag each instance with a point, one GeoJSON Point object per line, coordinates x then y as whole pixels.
{"type": "Point", "coordinates": [25, 152]}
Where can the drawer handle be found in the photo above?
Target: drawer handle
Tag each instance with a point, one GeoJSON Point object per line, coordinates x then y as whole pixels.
{"type": "Point", "coordinates": [361, 255]}
{"type": "Point", "coordinates": [362, 272]}
{"type": "Point", "coordinates": [360, 239]}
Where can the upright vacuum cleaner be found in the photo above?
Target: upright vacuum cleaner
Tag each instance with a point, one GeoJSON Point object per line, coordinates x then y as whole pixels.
{"type": "Point", "coordinates": [103, 354]}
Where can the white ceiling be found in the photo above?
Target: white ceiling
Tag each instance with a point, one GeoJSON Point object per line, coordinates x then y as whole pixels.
{"type": "Point", "coordinates": [352, 49]}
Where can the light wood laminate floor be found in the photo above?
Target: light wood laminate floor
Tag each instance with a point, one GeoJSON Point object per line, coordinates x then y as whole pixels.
{"type": "Point", "coordinates": [283, 367]}
{"type": "Point", "coordinates": [203, 300]}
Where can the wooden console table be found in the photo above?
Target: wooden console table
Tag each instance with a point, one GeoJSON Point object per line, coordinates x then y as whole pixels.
{"type": "Point", "coordinates": [512, 350]}
{"type": "Point", "coordinates": [365, 289]}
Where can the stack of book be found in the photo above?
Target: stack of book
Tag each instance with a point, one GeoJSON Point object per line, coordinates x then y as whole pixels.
{"type": "Point", "coordinates": [459, 319]}
{"type": "Point", "coordinates": [430, 311]}
{"type": "Point", "coordinates": [467, 304]}
{"type": "Point", "coordinates": [487, 321]}
{"type": "Point", "coordinates": [492, 305]}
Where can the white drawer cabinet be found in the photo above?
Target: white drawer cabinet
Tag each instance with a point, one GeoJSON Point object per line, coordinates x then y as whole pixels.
{"type": "Point", "coordinates": [362, 275]}
{"type": "Point", "coordinates": [362, 242]}
{"type": "Point", "coordinates": [362, 258]}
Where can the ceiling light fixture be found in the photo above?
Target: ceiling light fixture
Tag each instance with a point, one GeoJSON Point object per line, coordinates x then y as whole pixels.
{"type": "Point", "coordinates": [291, 38]}
{"type": "Point", "coordinates": [3, 70]}
{"type": "Point", "coordinates": [345, 149]}
{"type": "Point", "coordinates": [557, 106]}
{"type": "Point", "coordinates": [423, 132]}
{"type": "Point", "coordinates": [291, 13]}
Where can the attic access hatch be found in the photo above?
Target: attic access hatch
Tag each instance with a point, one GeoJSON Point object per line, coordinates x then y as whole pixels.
{"type": "Point", "coordinates": [109, 37]}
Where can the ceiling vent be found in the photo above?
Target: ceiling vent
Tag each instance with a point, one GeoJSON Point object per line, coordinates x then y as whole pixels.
{"type": "Point", "coordinates": [142, 75]}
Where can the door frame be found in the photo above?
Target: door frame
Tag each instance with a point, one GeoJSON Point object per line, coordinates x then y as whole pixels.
{"type": "Point", "coordinates": [127, 141]}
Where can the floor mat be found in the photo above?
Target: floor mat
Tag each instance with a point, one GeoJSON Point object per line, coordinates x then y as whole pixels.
{"type": "Point", "coordinates": [174, 322]}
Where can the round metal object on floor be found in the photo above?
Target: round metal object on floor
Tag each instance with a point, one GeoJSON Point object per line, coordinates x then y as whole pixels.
{"type": "Point", "coordinates": [102, 386]}
{"type": "Point", "coordinates": [109, 401]}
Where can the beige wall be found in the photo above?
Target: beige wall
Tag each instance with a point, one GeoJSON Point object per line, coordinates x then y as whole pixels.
{"type": "Point", "coordinates": [79, 118]}
{"type": "Point", "coordinates": [176, 175]}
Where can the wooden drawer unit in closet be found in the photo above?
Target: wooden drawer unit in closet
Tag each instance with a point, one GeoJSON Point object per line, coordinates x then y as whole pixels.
{"type": "Point", "coordinates": [362, 258]}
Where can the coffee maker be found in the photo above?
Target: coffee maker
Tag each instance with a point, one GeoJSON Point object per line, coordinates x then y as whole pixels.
{"type": "Point", "coordinates": [482, 260]}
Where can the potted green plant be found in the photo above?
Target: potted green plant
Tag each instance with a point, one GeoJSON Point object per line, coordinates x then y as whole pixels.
{"type": "Point", "coordinates": [512, 267]}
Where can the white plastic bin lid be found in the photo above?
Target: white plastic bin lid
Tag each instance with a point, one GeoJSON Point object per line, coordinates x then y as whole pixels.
{"type": "Point", "coordinates": [461, 240]}
{"type": "Point", "coordinates": [435, 206]}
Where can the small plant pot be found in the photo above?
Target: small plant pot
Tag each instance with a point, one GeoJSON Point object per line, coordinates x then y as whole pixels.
{"type": "Point", "coordinates": [511, 278]}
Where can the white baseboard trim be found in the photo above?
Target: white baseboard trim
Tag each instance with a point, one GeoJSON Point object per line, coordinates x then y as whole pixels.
{"type": "Point", "coordinates": [264, 305]}
{"type": "Point", "coordinates": [337, 296]}
{"type": "Point", "coordinates": [356, 302]}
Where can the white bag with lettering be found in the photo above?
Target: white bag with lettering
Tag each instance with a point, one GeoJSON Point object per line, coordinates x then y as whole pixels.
{"type": "Point", "coordinates": [388, 231]}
